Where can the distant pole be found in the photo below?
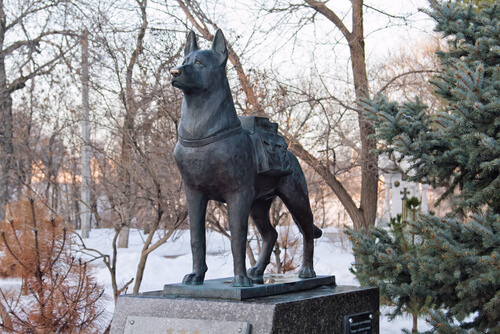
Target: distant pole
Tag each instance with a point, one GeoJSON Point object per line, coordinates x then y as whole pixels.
{"type": "Point", "coordinates": [85, 149]}
{"type": "Point", "coordinates": [405, 198]}
{"type": "Point", "coordinates": [424, 206]}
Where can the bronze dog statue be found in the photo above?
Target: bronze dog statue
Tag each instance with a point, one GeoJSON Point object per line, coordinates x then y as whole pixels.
{"type": "Point", "coordinates": [218, 161]}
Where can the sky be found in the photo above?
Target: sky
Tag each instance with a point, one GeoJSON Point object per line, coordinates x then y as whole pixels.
{"type": "Point", "coordinates": [268, 40]}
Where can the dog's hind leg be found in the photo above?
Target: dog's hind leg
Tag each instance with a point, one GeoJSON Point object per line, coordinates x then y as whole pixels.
{"type": "Point", "coordinates": [238, 209]}
{"type": "Point", "coordinates": [260, 215]}
{"type": "Point", "coordinates": [299, 207]}
{"type": "Point", "coordinates": [293, 192]}
{"type": "Point", "coordinates": [197, 205]}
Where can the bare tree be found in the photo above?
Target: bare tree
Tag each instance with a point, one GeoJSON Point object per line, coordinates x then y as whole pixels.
{"type": "Point", "coordinates": [33, 39]}
{"type": "Point", "coordinates": [138, 184]}
{"type": "Point", "coordinates": [131, 106]}
{"type": "Point", "coordinates": [364, 214]}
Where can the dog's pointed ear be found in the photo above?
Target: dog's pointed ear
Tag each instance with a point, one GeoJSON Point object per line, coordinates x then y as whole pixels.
{"type": "Point", "coordinates": [191, 44]}
{"type": "Point", "coordinates": [219, 47]}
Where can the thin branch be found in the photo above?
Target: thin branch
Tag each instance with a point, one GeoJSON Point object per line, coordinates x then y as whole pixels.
{"type": "Point", "coordinates": [180, 220]}
{"type": "Point", "coordinates": [11, 252]}
{"type": "Point", "coordinates": [46, 68]}
{"type": "Point", "coordinates": [332, 16]}
{"type": "Point", "coordinates": [402, 75]}
{"type": "Point", "coordinates": [4, 315]}
{"type": "Point", "coordinates": [32, 10]}
{"type": "Point", "coordinates": [124, 287]}
{"type": "Point", "coordinates": [18, 44]}
{"type": "Point", "coordinates": [385, 13]}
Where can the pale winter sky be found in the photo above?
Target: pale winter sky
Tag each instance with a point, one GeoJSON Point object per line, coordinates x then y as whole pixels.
{"type": "Point", "coordinates": [249, 30]}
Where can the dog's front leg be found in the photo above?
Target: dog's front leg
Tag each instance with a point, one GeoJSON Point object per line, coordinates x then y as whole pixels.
{"type": "Point", "coordinates": [238, 207]}
{"type": "Point", "coordinates": [197, 206]}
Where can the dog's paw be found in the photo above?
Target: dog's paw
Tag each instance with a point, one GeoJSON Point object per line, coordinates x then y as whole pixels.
{"type": "Point", "coordinates": [255, 272]}
{"type": "Point", "coordinates": [307, 272]}
{"type": "Point", "coordinates": [193, 279]}
{"type": "Point", "coordinates": [242, 281]}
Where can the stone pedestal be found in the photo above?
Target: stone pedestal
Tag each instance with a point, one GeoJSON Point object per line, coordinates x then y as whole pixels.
{"type": "Point", "coordinates": [322, 310]}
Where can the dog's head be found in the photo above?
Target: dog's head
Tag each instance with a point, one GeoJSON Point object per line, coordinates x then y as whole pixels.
{"type": "Point", "coordinates": [201, 70]}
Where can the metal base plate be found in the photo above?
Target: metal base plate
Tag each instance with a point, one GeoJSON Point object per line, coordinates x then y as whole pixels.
{"type": "Point", "coordinates": [221, 288]}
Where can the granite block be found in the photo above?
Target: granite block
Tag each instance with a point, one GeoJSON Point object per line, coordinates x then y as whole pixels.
{"type": "Point", "coordinates": [316, 311]}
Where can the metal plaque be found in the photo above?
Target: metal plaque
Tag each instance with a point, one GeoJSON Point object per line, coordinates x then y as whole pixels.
{"type": "Point", "coordinates": [154, 325]}
{"type": "Point", "coordinates": [361, 323]}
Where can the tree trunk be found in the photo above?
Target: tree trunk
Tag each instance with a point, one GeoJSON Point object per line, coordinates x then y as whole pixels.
{"type": "Point", "coordinates": [85, 145]}
{"type": "Point", "coordinates": [5, 120]}
{"type": "Point", "coordinates": [131, 108]}
{"type": "Point", "coordinates": [364, 215]}
{"type": "Point", "coordinates": [6, 133]}
{"type": "Point", "coordinates": [75, 203]}
{"type": "Point", "coordinates": [250, 255]}
{"type": "Point", "coordinates": [277, 258]}
{"type": "Point", "coordinates": [140, 271]}
{"type": "Point", "coordinates": [6, 137]}
{"type": "Point", "coordinates": [369, 160]}
{"type": "Point", "coordinates": [124, 236]}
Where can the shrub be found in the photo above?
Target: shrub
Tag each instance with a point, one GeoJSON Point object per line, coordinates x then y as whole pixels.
{"type": "Point", "coordinates": [58, 294]}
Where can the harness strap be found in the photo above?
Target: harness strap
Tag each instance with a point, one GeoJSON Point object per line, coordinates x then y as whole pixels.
{"type": "Point", "coordinates": [211, 139]}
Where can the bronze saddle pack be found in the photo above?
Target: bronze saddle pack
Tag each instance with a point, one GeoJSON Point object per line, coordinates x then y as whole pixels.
{"type": "Point", "coordinates": [270, 149]}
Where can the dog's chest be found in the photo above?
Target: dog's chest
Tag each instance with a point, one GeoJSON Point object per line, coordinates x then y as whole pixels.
{"type": "Point", "coordinates": [223, 166]}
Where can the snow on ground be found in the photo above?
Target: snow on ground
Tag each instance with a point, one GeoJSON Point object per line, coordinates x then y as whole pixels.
{"type": "Point", "coordinates": [171, 261]}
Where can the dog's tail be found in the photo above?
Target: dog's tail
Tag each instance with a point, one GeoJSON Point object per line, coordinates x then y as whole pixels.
{"type": "Point", "coordinates": [317, 233]}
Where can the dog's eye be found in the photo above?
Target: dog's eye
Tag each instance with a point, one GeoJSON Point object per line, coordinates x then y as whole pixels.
{"type": "Point", "coordinates": [198, 62]}
{"type": "Point", "coordinates": [184, 62]}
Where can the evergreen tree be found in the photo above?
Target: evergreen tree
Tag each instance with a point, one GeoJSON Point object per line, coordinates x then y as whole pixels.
{"type": "Point", "coordinates": [459, 146]}
{"type": "Point", "coordinates": [387, 260]}
{"type": "Point", "coordinates": [457, 263]}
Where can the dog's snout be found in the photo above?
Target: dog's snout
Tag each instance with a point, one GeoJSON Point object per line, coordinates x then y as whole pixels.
{"type": "Point", "coordinates": [175, 72]}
